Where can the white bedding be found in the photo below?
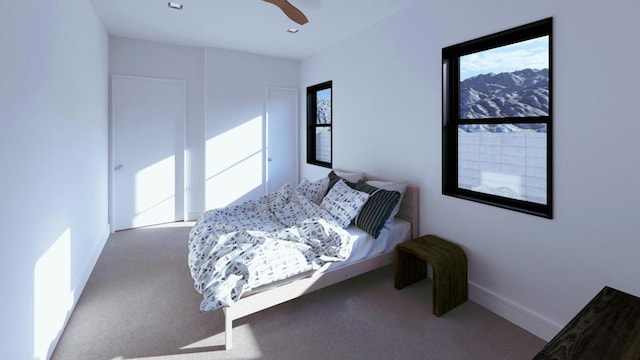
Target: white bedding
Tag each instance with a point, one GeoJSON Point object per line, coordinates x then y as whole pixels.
{"type": "Point", "coordinates": [288, 235]}
{"type": "Point", "coordinates": [364, 246]}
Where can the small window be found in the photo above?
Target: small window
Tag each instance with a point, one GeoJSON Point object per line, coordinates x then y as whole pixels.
{"type": "Point", "coordinates": [319, 149]}
{"type": "Point", "coordinates": [497, 118]}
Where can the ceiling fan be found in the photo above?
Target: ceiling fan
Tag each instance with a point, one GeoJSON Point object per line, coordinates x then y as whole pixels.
{"type": "Point", "coordinates": [291, 11]}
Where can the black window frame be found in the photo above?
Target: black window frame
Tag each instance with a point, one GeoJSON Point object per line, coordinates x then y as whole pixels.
{"type": "Point", "coordinates": [452, 119]}
{"type": "Point", "coordinates": [313, 125]}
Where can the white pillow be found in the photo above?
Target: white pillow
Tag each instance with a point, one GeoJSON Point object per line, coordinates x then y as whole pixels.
{"type": "Point", "coordinates": [314, 191]}
{"type": "Point", "coordinates": [399, 186]}
{"type": "Point", "coordinates": [343, 203]}
{"type": "Point", "coordinates": [350, 176]}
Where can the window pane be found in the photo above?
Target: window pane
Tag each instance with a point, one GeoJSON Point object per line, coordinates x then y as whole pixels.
{"type": "Point", "coordinates": [323, 102]}
{"type": "Point", "coordinates": [323, 144]}
{"type": "Point", "coordinates": [507, 81]}
{"type": "Point", "coordinates": [508, 160]}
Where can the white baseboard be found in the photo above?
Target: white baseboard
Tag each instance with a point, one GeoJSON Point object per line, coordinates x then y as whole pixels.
{"type": "Point", "coordinates": [85, 273]}
{"type": "Point", "coordinates": [92, 259]}
{"type": "Point", "coordinates": [193, 216]}
{"type": "Point", "coordinates": [531, 321]}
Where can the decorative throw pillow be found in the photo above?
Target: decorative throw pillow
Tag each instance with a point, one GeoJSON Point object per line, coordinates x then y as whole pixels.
{"type": "Point", "coordinates": [343, 203]}
{"type": "Point", "coordinates": [314, 191]}
{"type": "Point", "coordinates": [399, 186]}
{"type": "Point", "coordinates": [334, 178]}
{"type": "Point", "coordinates": [377, 209]}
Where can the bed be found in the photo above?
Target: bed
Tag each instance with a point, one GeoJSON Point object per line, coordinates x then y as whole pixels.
{"type": "Point", "coordinates": [364, 252]}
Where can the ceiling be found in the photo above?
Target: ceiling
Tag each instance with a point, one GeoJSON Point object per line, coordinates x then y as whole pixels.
{"type": "Point", "coordinates": [251, 26]}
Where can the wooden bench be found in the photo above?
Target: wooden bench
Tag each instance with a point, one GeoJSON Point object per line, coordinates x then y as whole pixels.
{"type": "Point", "coordinates": [449, 264]}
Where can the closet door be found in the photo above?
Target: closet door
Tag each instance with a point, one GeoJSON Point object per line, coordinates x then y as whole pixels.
{"type": "Point", "coordinates": [282, 137]}
{"type": "Point", "coordinates": [148, 130]}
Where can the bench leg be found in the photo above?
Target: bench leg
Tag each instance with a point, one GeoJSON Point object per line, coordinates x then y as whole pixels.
{"type": "Point", "coordinates": [449, 282]}
{"type": "Point", "coordinates": [408, 269]}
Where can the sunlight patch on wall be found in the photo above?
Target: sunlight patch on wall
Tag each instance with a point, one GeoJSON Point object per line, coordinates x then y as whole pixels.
{"type": "Point", "coordinates": [234, 163]}
{"type": "Point", "coordinates": [53, 298]}
{"type": "Point", "coordinates": [155, 188]}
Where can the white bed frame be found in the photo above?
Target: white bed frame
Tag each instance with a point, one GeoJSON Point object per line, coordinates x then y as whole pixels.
{"type": "Point", "coordinates": [260, 300]}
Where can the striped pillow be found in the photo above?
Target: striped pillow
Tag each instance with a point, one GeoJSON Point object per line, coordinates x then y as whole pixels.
{"type": "Point", "coordinates": [377, 209]}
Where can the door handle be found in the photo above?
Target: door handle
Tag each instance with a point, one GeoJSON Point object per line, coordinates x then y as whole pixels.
{"type": "Point", "coordinates": [118, 167]}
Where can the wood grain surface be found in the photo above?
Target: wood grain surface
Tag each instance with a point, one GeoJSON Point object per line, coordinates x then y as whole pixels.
{"type": "Point", "coordinates": [608, 327]}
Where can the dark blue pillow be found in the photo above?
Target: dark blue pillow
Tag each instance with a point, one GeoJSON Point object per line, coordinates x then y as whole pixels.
{"type": "Point", "coordinates": [376, 210]}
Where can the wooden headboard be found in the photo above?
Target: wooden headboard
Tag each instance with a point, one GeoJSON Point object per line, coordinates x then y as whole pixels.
{"type": "Point", "coordinates": [409, 207]}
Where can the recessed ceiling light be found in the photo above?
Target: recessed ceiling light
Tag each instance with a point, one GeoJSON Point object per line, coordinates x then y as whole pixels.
{"type": "Point", "coordinates": [292, 30]}
{"type": "Point", "coordinates": [175, 5]}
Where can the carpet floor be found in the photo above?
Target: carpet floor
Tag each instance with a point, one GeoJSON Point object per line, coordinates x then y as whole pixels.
{"type": "Point", "coordinates": [139, 303]}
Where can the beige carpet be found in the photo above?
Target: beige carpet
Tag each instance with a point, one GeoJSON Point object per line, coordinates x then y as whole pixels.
{"type": "Point", "coordinates": [139, 303]}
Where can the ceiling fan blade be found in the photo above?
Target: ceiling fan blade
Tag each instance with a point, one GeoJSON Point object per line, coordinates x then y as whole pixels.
{"type": "Point", "coordinates": [291, 11]}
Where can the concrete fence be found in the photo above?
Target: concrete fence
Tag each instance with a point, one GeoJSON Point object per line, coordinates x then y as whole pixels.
{"type": "Point", "coordinates": [506, 164]}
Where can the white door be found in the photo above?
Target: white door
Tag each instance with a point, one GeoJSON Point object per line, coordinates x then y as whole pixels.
{"type": "Point", "coordinates": [282, 135]}
{"type": "Point", "coordinates": [148, 130]}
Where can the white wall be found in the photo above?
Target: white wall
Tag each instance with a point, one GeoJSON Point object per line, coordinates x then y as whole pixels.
{"type": "Point", "coordinates": [225, 89]}
{"type": "Point", "coordinates": [165, 61]}
{"type": "Point", "coordinates": [53, 152]}
{"type": "Point", "coordinates": [236, 85]}
{"type": "Point", "coordinates": [535, 272]}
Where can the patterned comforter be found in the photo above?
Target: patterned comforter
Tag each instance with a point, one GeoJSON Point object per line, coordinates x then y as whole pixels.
{"type": "Point", "coordinates": [238, 248]}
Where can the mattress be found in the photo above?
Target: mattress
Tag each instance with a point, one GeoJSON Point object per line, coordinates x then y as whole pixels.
{"type": "Point", "coordinates": [365, 246]}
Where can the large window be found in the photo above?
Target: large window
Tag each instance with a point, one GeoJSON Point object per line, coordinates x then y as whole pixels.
{"type": "Point", "coordinates": [497, 119]}
{"type": "Point", "coordinates": [319, 124]}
